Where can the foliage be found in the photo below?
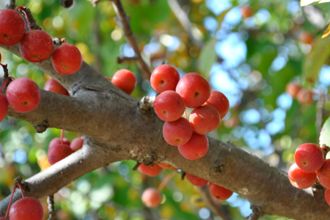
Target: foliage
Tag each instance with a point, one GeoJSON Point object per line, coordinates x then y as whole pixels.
{"type": "Point", "coordinates": [251, 60]}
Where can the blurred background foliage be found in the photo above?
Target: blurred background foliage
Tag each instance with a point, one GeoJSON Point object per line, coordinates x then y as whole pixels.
{"type": "Point", "coordinates": [249, 50]}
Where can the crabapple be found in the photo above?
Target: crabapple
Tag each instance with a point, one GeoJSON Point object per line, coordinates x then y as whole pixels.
{"type": "Point", "coordinates": [12, 27]}
{"type": "Point", "coordinates": [219, 101]}
{"type": "Point", "coordinates": [164, 77]}
{"type": "Point", "coordinates": [204, 119]}
{"type": "Point", "coordinates": [306, 38]}
{"type": "Point", "coordinates": [36, 46]}
{"type": "Point", "coordinates": [305, 96]}
{"type": "Point", "coordinates": [77, 143]}
{"type": "Point", "coordinates": [124, 80]}
{"type": "Point", "coordinates": [151, 197]}
{"type": "Point", "coordinates": [23, 95]}
{"type": "Point", "coordinates": [246, 11]}
{"type": "Point", "coordinates": [177, 132]}
{"type": "Point", "coordinates": [193, 89]}
{"type": "Point", "coordinates": [3, 106]}
{"type": "Point", "coordinates": [27, 208]}
{"type": "Point", "coordinates": [219, 192]}
{"type": "Point", "coordinates": [58, 149]}
{"type": "Point", "coordinates": [299, 178]}
{"type": "Point", "coordinates": [54, 86]}
{"type": "Point", "coordinates": [196, 148]}
{"type": "Point", "coordinates": [293, 89]}
{"type": "Point", "coordinates": [66, 59]}
{"type": "Point", "coordinates": [149, 170]}
{"type": "Point", "coordinates": [195, 180]}
{"type": "Point", "coordinates": [323, 174]}
{"type": "Point", "coordinates": [309, 157]}
{"type": "Point", "coordinates": [169, 106]}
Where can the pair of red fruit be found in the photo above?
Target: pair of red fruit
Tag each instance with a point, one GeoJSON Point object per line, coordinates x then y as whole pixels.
{"type": "Point", "coordinates": [310, 167]}
{"type": "Point", "coordinates": [37, 45]}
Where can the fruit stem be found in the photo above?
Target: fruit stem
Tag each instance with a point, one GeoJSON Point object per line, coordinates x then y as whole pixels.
{"type": "Point", "coordinates": [32, 24]}
{"type": "Point", "coordinates": [62, 135]}
{"type": "Point", "coordinates": [165, 181]}
{"type": "Point", "coordinates": [10, 201]}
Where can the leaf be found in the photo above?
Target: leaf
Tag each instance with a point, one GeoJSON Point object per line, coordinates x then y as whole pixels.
{"type": "Point", "coordinates": [207, 57]}
{"type": "Point", "coordinates": [316, 59]}
{"type": "Point", "coordinates": [326, 33]}
{"type": "Point", "coordinates": [325, 133]}
{"type": "Point", "coordinates": [308, 2]}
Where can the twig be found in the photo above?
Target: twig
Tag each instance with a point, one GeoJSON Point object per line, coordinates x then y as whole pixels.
{"type": "Point", "coordinates": [11, 4]}
{"type": "Point", "coordinates": [183, 19]}
{"type": "Point", "coordinates": [216, 209]}
{"type": "Point", "coordinates": [320, 110]}
{"type": "Point", "coordinates": [29, 18]}
{"type": "Point", "coordinates": [256, 213]}
{"type": "Point", "coordinates": [51, 207]}
{"type": "Point", "coordinates": [126, 59]}
{"type": "Point", "coordinates": [130, 37]}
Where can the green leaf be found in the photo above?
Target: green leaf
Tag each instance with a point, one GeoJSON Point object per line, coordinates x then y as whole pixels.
{"type": "Point", "coordinates": [325, 133]}
{"type": "Point", "coordinates": [316, 59]}
{"type": "Point", "coordinates": [308, 2]}
{"type": "Point", "coordinates": [207, 57]}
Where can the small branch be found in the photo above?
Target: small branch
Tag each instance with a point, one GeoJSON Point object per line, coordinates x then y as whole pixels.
{"type": "Point", "coordinates": [320, 110]}
{"type": "Point", "coordinates": [29, 18]}
{"type": "Point", "coordinates": [121, 60]}
{"type": "Point", "coordinates": [146, 103]}
{"type": "Point", "coordinates": [130, 37]}
{"type": "Point", "coordinates": [256, 213]}
{"type": "Point", "coordinates": [51, 207]}
{"type": "Point", "coordinates": [217, 209]}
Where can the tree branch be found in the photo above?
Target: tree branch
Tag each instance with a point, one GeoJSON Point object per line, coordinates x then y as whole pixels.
{"type": "Point", "coordinates": [130, 37]}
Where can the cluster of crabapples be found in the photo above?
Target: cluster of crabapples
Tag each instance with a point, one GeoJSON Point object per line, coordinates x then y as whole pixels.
{"type": "Point", "coordinates": [310, 167]}
{"type": "Point", "coordinates": [23, 95]}
{"type": "Point", "coordinates": [189, 110]}
{"type": "Point", "coordinates": [296, 91]}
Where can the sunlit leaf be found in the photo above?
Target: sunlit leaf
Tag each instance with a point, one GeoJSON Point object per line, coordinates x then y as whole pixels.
{"type": "Point", "coordinates": [308, 2]}
{"type": "Point", "coordinates": [326, 33]}
{"type": "Point", "coordinates": [207, 57]}
{"type": "Point", "coordinates": [316, 59]}
{"type": "Point", "coordinates": [325, 133]}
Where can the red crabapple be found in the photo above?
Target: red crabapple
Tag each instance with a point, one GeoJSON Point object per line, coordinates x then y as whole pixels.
{"type": "Point", "coordinates": [219, 192]}
{"type": "Point", "coordinates": [327, 196]}
{"type": "Point", "coordinates": [36, 46]}
{"type": "Point", "coordinates": [53, 85]}
{"type": "Point", "coordinates": [204, 119]}
{"type": "Point", "coordinates": [196, 148]}
{"type": "Point", "coordinates": [58, 149]}
{"type": "Point", "coordinates": [12, 27]}
{"type": "Point", "coordinates": [177, 132]}
{"type": "Point", "coordinates": [23, 95]}
{"type": "Point", "coordinates": [124, 80]}
{"type": "Point", "coordinates": [299, 178]}
{"type": "Point", "coordinates": [3, 106]}
{"type": "Point", "coordinates": [246, 11]}
{"type": "Point", "coordinates": [151, 197]}
{"type": "Point", "coordinates": [219, 101]}
{"type": "Point", "coordinates": [195, 180]}
{"type": "Point", "coordinates": [309, 157]}
{"type": "Point", "coordinates": [66, 59]}
{"type": "Point", "coordinates": [164, 77]}
{"type": "Point", "coordinates": [323, 174]}
{"type": "Point", "coordinates": [27, 208]}
{"type": "Point", "coordinates": [169, 106]}
{"type": "Point", "coordinates": [293, 89]}
{"type": "Point", "coordinates": [306, 38]}
{"type": "Point", "coordinates": [150, 170]}
{"type": "Point", "coordinates": [77, 143]}
{"type": "Point", "coordinates": [193, 89]}
{"type": "Point", "coordinates": [305, 96]}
